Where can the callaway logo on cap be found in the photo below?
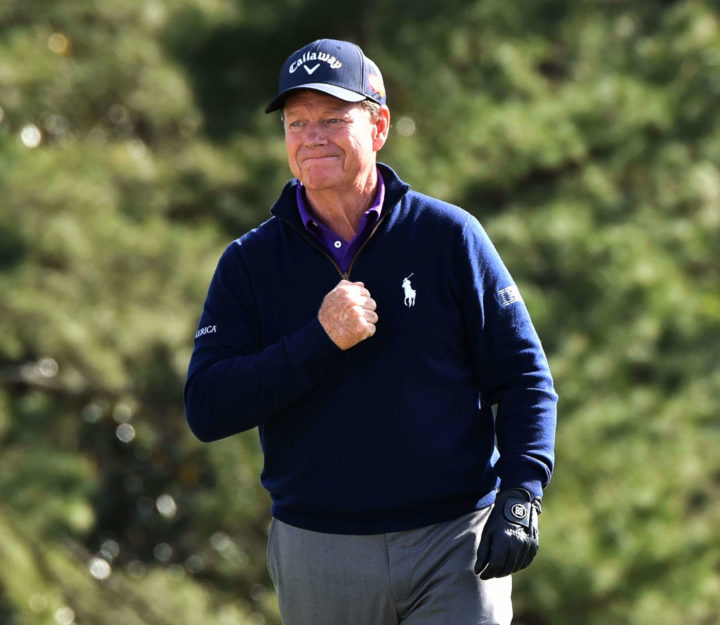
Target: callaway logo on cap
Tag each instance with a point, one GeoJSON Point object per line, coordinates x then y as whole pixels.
{"type": "Point", "coordinates": [338, 68]}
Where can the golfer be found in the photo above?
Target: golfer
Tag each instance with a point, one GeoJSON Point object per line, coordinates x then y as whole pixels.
{"type": "Point", "coordinates": [375, 338]}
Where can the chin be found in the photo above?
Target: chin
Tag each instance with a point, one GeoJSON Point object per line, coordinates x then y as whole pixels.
{"type": "Point", "coordinates": [319, 186]}
{"type": "Point", "coordinates": [319, 181]}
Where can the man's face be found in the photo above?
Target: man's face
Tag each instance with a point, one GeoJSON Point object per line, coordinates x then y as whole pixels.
{"type": "Point", "coordinates": [331, 144]}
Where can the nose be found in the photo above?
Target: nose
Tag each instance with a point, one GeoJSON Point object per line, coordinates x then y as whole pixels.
{"type": "Point", "coordinates": [316, 134]}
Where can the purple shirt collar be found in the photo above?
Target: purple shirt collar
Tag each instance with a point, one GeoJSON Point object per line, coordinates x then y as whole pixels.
{"type": "Point", "coordinates": [341, 251]}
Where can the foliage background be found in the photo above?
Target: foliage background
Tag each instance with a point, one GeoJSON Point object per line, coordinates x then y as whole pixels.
{"type": "Point", "coordinates": [133, 147]}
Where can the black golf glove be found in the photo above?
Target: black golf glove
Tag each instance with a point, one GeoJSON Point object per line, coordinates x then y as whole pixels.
{"type": "Point", "coordinates": [510, 538]}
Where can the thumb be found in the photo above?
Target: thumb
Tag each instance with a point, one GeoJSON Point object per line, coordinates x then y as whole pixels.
{"type": "Point", "coordinates": [483, 553]}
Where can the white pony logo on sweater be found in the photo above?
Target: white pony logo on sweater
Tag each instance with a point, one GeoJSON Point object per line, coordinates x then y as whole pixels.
{"type": "Point", "coordinates": [409, 291]}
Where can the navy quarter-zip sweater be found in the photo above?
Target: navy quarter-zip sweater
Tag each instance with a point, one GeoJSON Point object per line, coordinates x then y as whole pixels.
{"type": "Point", "coordinates": [399, 431]}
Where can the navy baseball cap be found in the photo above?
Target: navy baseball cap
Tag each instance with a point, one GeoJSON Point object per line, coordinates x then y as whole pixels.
{"type": "Point", "coordinates": [338, 68]}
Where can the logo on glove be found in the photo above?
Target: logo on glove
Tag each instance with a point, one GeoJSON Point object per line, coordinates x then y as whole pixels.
{"type": "Point", "coordinates": [518, 511]}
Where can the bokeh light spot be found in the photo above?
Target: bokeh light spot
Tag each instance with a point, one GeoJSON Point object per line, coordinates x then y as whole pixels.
{"type": "Point", "coordinates": [31, 136]}
{"type": "Point", "coordinates": [258, 592]}
{"type": "Point", "coordinates": [59, 43]}
{"type": "Point", "coordinates": [163, 552]}
{"type": "Point", "coordinates": [48, 367]}
{"type": "Point", "coordinates": [64, 616]}
{"type": "Point", "coordinates": [176, 572]}
{"type": "Point", "coordinates": [406, 126]}
{"type": "Point", "coordinates": [56, 125]}
{"type": "Point", "coordinates": [92, 413]}
{"type": "Point", "coordinates": [166, 506]}
{"type": "Point", "coordinates": [136, 569]}
{"type": "Point", "coordinates": [220, 541]}
{"type": "Point", "coordinates": [194, 564]}
{"type": "Point", "coordinates": [100, 569]}
{"type": "Point", "coordinates": [118, 114]}
{"type": "Point", "coordinates": [125, 432]}
{"type": "Point", "coordinates": [123, 412]}
{"type": "Point", "coordinates": [110, 549]}
{"type": "Point", "coordinates": [38, 602]}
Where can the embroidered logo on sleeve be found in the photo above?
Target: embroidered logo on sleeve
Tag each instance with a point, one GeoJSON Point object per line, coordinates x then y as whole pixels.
{"type": "Point", "coordinates": [205, 330]}
{"type": "Point", "coordinates": [509, 295]}
{"type": "Point", "coordinates": [409, 291]}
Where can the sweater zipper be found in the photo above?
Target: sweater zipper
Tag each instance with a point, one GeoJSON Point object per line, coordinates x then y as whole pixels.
{"type": "Point", "coordinates": [345, 275]}
{"type": "Point", "coordinates": [317, 246]}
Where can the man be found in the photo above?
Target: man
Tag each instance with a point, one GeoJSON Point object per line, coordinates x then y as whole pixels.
{"type": "Point", "coordinates": [377, 341]}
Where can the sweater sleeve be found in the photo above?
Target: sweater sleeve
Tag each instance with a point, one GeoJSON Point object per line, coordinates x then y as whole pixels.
{"type": "Point", "coordinates": [234, 381]}
{"type": "Point", "coordinates": [511, 367]}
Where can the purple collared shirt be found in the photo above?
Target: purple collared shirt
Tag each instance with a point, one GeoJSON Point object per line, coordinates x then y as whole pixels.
{"type": "Point", "coordinates": [341, 251]}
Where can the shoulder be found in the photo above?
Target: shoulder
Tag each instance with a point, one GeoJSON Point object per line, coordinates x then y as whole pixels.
{"type": "Point", "coordinates": [408, 202]}
{"type": "Point", "coordinates": [453, 226]}
{"type": "Point", "coordinates": [430, 213]}
{"type": "Point", "coordinates": [257, 238]}
{"type": "Point", "coordinates": [436, 213]}
{"type": "Point", "coordinates": [242, 253]}
{"type": "Point", "coordinates": [272, 229]}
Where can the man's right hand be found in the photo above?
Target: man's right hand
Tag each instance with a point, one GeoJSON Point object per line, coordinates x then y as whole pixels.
{"type": "Point", "coordinates": [348, 314]}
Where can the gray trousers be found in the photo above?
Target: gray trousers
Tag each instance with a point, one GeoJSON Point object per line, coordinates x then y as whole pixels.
{"type": "Point", "coordinates": [416, 577]}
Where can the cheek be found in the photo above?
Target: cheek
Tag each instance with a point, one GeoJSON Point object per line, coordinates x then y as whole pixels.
{"type": "Point", "coordinates": [291, 149]}
{"type": "Point", "coordinates": [367, 139]}
{"type": "Point", "coordinates": [364, 152]}
{"type": "Point", "coordinates": [360, 147]}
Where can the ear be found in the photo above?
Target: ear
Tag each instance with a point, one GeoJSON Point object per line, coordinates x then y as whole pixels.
{"type": "Point", "coordinates": [381, 128]}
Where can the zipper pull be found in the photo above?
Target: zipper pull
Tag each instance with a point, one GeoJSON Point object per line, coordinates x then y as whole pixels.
{"type": "Point", "coordinates": [346, 275]}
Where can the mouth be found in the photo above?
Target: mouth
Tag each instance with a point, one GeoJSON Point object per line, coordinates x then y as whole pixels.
{"type": "Point", "coordinates": [325, 157]}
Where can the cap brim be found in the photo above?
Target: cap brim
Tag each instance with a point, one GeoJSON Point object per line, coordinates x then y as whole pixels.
{"type": "Point", "coordinates": [337, 92]}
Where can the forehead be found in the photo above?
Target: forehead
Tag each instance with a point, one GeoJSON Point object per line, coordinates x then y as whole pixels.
{"type": "Point", "coordinates": [315, 100]}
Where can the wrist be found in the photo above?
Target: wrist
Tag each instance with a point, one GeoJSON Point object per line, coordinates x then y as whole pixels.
{"type": "Point", "coordinates": [518, 506]}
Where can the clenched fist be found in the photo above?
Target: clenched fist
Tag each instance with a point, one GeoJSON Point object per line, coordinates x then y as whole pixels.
{"type": "Point", "coordinates": [348, 314]}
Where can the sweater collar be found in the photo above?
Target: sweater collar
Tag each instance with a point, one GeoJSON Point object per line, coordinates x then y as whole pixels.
{"type": "Point", "coordinates": [286, 205]}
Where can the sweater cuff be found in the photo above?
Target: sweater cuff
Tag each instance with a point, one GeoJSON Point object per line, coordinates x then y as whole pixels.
{"type": "Point", "coordinates": [311, 350]}
{"type": "Point", "coordinates": [534, 487]}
